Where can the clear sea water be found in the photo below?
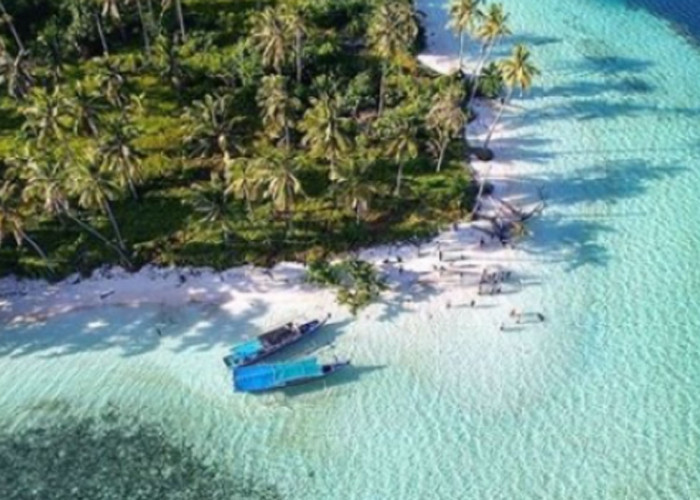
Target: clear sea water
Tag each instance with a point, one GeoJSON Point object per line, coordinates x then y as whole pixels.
{"type": "Point", "coordinates": [600, 401]}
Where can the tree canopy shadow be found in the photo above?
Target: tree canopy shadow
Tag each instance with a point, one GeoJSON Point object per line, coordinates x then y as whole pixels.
{"type": "Point", "coordinates": [598, 63]}
{"type": "Point", "coordinates": [624, 85]}
{"type": "Point", "coordinates": [134, 331]}
{"type": "Point", "coordinates": [412, 289]}
{"type": "Point", "coordinates": [578, 238]}
{"type": "Point", "coordinates": [527, 148]}
{"type": "Point", "coordinates": [575, 241]}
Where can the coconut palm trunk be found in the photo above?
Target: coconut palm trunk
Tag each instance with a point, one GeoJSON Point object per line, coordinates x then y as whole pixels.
{"type": "Point", "coordinates": [99, 236]}
{"type": "Point", "coordinates": [8, 20]}
{"type": "Point", "coordinates": [180, 18]}
{"type": "Point", "coordinates": [382, 83]}
{"type": "Point", "coordinates": [480, 68]}
{"type": "Point", "coordinates": [358, 212]}
{"type": "Point", "coordinates": [132, 187]}
{"type": "Point", "coordinates": [108, 210]}
{"type": "Point", "coordinates": [498, 118]}
{"type": "Point", "coordinates": [399, 178]}
{"type": "Point", "coordinates": [297, 50]}
{"type": "Point", "coordinates": [441, 156]}
{"type": "Point", "coordinates": [144, 29]}
{"type": "Point", "coordinates": [35, 246]}
{"type": "Point", "coordinates": [480, 193]}
{"type": "Point", "coordinates": [248, 205]}
{"type": "Point", "coordinates": [101, 33]}
{"type": "Point", "coordinates": [287, 135]}
{"type": "Point", "coordinates": [477, 74]}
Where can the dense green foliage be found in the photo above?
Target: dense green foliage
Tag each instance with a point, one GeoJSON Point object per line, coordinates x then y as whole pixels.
{"type": "Point", "coordinates": [357, 281]}
{"type": "Point", "coordinates": [210, 132]}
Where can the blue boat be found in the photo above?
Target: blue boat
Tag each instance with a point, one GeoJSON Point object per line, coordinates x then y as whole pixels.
{"type": "Point", "coordinates": [264, 377]}
{"type": "Point", "coordinates": [270, 342]}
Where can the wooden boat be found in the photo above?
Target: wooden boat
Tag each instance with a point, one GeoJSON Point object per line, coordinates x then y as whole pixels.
{"type": "Point", "coordinates": [265, 377]}
{"type": "Point", "coordinates": [270, 342]}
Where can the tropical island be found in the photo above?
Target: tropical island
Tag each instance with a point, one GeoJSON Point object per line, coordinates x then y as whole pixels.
{"type": "Point", "coordinates": [207, 133]}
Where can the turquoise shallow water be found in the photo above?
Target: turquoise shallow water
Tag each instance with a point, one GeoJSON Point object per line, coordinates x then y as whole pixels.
{"type": "Point", "coordinates": [599, 402]}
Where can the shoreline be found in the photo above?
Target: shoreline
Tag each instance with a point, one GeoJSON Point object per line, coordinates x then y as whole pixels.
{"type": "Point", "coordinates": [450, 265]}
{"type": "Point", "coordinates": [468, 250]}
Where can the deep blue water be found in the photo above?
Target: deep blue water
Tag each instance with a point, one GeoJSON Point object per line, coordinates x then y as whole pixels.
{"type": "Point", "coordinates": [684, 15]}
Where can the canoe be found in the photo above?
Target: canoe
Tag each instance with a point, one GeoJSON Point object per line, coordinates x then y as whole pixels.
{"type": "Point", "coordinates": [264, 377]}
{"type": "Point", "coordinates": [270, 342]}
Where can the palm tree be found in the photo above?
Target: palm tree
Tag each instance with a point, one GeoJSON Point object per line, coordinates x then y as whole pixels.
{"type": "Point", "coordinates": [491, 81]}
{"type": "Point", "coordinates": [518, 71]}
{"type": "Point", "coordinates": [297, 29]}
{"type": "Point", "coordinates": [168, 55]}
{"type": "Point", "coordinates": [95, 11]}
{"type": "Point", "coordinates": [241, 66]}
{"type": "Point", "coordinates": [12, 220]}
{"type": "Point", "coordinates": [401, 135]}
{"type": "Point", "coordinates": [110, 9]}
{"type": "Point", "coordinates": [112, 83]}
{"type": "Point", "coordinates": [7, 19]}
{"type": "Point", "coordinates": [96, 189]}
{"type": "Point", "coordinates": [16, 74]}
{"type": "Point", "coordinates": [463, 17]}
{"type": "Point", "coordinates": [325, 131]}
{"type": "Point", "coordinates": [269, 38]}
{"type": "Point", "coordinates": [243, 181]}
{"type": "Point", "coordinates": [51, 47]}
{"type": "Point", "coordinates": [278, 108]}
{"type": "Point", "coordinates": [144, 26]}
{"type": "Point", "coordinates": [46, 184]}
{"type": "Point", "coordinates": [445, 119]}
{"type": "Point", "coordinates": [212, 201]}
{"type": "Point", "coordinates": [278, 172]}
{"type": "Point", "coordinates": [359, 94]}
{"type": "Point", "coordinates": [84, 107]}
{"type": "Point", "coordinates": [119, 154]}
{"type": "Point", "coordinates": [166, 4]}
{"type": "Point", "coordinates": [43, 114]}
{"type": "Point", "coordinates": [491, 30]}
{"type": "Point", "coordinates": [392, 31]}
{"type": "Point", "coordinates": [352, 187]}
{"type": "Point", "coordinates": [211, 126]}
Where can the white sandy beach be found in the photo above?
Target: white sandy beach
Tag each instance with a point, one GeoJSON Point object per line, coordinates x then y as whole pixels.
{"type": "Point", "coordinates": [451, 264]}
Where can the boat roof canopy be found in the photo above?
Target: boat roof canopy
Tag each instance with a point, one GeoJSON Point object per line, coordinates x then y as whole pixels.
{"type": "Point", "coordinates": [269, 376]}
{"type": "Point", "coordinates": [247, 349]}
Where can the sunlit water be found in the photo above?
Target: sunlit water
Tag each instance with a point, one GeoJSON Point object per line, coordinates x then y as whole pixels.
{"type": "Point", "coordinates": [600, 401]}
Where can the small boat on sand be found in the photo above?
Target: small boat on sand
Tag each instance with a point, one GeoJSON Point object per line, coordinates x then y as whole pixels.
{"type": "Point", "coordinates": [265, 377]}
{"type": "Point", "coordinates": [270, 342]}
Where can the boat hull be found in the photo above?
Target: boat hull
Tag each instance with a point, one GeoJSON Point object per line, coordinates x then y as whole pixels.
{"type": "Point", "coordinates": [262, 378]}
{"type": "Point", "coordinates": [270, 342]}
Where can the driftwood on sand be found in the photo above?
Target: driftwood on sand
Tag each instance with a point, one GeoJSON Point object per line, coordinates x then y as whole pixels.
{"type": "Point", "coordinates": [508, 221]}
